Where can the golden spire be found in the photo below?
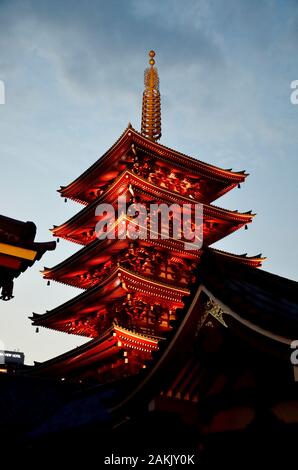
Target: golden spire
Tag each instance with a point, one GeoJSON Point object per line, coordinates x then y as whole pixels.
{"type": "Point", "coordinates": [151, 118]}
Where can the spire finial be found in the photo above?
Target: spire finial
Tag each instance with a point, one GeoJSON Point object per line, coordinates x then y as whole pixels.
{"type": "Point", "coordinates": [152, 61]}
{"type": "Point", "coordinates": [151, 116]}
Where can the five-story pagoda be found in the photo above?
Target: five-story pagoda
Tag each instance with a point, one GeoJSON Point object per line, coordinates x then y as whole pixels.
{"type": "Point", "coordinates": [133, 286]}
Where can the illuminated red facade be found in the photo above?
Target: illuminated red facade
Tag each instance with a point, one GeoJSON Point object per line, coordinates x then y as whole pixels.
{"type": "Point", "coordinates": [132, 288]}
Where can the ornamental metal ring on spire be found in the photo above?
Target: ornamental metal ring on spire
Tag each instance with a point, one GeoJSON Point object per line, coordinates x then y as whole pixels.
{"type": "Point", "coordinates": [151, 115]}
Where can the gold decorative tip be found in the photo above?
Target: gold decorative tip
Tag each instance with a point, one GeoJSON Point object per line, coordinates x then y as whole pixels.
{"type": "Point", "coordinates": [151, 115]}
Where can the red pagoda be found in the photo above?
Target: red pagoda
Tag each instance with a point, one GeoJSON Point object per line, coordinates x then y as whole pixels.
{"type": "Point", "coordinates": [133, 288]}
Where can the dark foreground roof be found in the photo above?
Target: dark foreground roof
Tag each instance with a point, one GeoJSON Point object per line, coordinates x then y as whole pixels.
{"type": "Point", "coordinates": [18, 251]}
{"type": "Point", "coordinates": [264, 299]}
{"type": "Point", "coordinates": [257, 306]}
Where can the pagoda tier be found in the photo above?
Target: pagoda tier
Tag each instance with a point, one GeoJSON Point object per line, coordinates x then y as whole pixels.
{"type": "Point", "coordinates": [87, 267]}
{"type": "Point", "coordinates": [116, 353]}
{"type": "Point", "coordinates": [132, 300]}
{"type": "Point", "coordinates": [156, 163]}
{"type": "Point", "coordinates": [163, 261]}
{"type": "Point", "coordinates": [217, 222]}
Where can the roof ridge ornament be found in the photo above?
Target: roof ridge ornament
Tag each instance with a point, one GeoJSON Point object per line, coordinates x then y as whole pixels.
{"type": "Point", "coordinates": [151, 114]}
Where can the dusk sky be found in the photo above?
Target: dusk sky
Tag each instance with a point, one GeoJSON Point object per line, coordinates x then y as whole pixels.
{"type": "Point", "coordinates": [73, 75]}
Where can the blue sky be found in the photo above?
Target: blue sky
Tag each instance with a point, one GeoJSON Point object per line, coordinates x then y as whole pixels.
{"type": "Point", "coordinates": [73, 73]}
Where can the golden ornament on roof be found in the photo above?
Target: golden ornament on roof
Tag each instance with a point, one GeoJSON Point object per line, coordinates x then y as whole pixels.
{"type": "Point", "coordinates": [151, 114]}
